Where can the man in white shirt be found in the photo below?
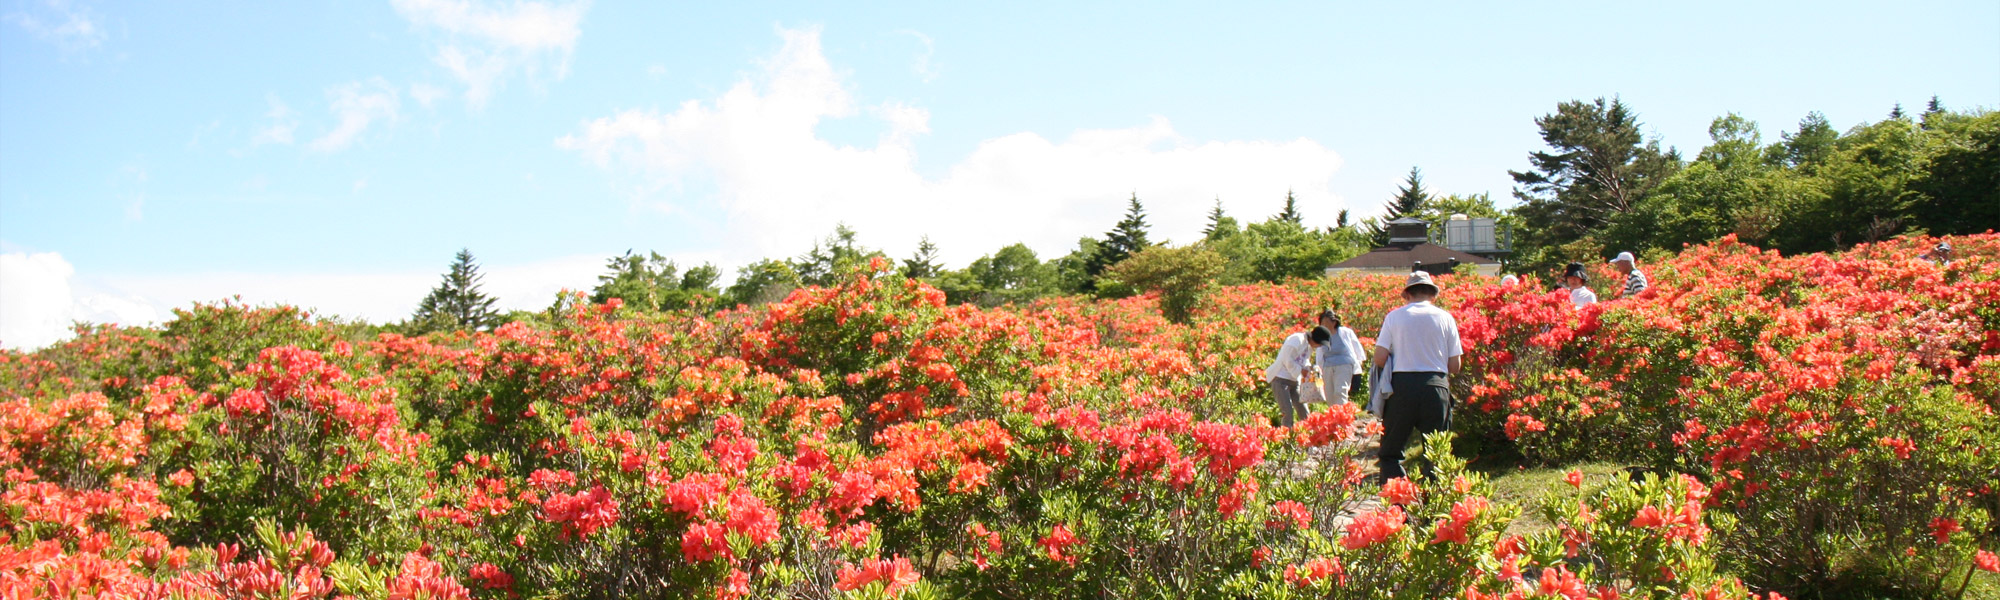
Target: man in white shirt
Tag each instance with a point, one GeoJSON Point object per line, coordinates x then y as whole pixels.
{"type": "Point", "coordinates": [1419, 348]}
{"type": "Point", "coordinates": [1577, 280]}
{"type": "Point", "coordinates": [1284, 373]}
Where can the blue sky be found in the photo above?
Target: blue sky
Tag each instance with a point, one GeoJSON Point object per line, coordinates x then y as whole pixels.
{"type": "Point", "coordinates": [334, 154]}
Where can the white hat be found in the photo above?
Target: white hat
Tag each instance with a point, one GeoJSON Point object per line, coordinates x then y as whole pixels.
{"type": "Point", "coordinates": [1624, 256]}
{"type": "Point", "coordinates": [1418, 278]}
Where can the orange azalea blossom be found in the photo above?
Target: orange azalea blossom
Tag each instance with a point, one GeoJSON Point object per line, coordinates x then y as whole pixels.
{"type": "Point", "coordinates": [1372, 527]}
{"type": "Point", "coordinates": [896, 574]}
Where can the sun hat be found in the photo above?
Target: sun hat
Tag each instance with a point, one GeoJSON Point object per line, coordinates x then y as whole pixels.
{"type": "Point", "coordinates": [1418, 278]}
{"type": "Point", "coordinates": [1624, 256]}
{"type": "Point", "coordinates": [1575, 269]}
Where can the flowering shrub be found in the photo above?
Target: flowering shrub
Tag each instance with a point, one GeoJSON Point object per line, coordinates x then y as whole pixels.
{"type": "Point", "coordinates": [1810, 416]}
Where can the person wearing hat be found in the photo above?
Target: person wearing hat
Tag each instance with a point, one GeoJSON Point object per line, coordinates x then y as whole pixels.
{"type": "Point", "coordinates": [1940, 254]}
{"type": "Point", "coordinates": [1418, 349]}
{"type": "Point", "coordinates": [1294, 360]}
{"type": "Point", "coordinates": [1635, 281]}
{"type": "Point", "coordinates": [1576, 279]}
{"type": "Point", "coordinates": [1341, 358]}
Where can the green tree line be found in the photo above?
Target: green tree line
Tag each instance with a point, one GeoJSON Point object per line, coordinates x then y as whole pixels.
{"type": "Point", "coordinates": [1599, 187]}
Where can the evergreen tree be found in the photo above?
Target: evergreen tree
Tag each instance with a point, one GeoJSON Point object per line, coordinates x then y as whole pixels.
{"type": "Point", "coordinates": [1410, 200]}
{"type": "Point", "coordinates": [1598, 167]}
{"type": "Point", "coordinates": [1341, 221]}
{"type": "Point", "coordinates": [1291, 212]}
{"type": "Point", "coordinates": [1934, 107]}
{"type": "Point", "coordinates": [457, 303]}
{"type": "Point", "coordinates": [832, 258]}
{"type": "Point", "coordinates": [1215, 218]}
{"type": "Point", "coordinates": [923, 264]}
{"type": "Point", "coordinates": [1813, 143]}
{"type": "Point", "coordinates": [1127, 237]}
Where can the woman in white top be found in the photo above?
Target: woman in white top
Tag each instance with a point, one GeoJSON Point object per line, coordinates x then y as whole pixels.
{"type": "Point", "coordinates": [1575, 278]}
{"type": "Point", "coordinates": [1294, 359]}
{"type": "Point", "coordinates": [1339, 360]}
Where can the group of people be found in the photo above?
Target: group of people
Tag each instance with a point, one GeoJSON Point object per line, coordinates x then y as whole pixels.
{"type": "Point", "coordinates": [1416, 352]}
{"type": "Point", "coordinates": [1577, 281]}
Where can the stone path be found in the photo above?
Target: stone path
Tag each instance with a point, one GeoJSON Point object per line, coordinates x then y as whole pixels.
{"type": "Point", "coordinates": [1367, 453]}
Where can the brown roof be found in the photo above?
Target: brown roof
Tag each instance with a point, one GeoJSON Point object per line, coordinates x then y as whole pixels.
{"type": "Point", "coordinates": [1404, 255]}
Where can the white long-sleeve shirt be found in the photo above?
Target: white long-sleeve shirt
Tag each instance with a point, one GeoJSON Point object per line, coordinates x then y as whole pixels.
{"type": "Point", "coordinates": [1292, 358]}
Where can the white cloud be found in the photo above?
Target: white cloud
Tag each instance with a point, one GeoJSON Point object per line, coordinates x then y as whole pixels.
{"type": "Point", "coordinates": [69, 27]}
{"type": "Point", "coordinates": [357, 105]}
{"type": "Point", "coordinates": [380, 296]}
{"type": "Point", "coordinates": [282, 121]}
{"type": "Point", "coordinates": [40, 298]}
{"type": "Point", "coordinates": [922, 63]}
{"type": "Point", "coordinates": [41, 293]}
{"type": "Point", "coordinates": [482, 43]}
{"type": "Point", "coordinates": [780, 186]}
{"type": "Point", "coordinates": [426, 94]}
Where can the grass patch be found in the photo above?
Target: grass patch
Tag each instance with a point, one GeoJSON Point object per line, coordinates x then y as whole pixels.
{"type": "Point", "coordinates": [1530, 487]}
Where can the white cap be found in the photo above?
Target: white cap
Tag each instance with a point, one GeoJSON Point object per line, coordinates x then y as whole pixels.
{"type": "Point", "coordinates": [1624, 256]}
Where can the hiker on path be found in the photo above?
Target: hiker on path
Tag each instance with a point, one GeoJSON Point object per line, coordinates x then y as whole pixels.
{"type": "Point", "coordinates": [1340, 360]}
{"type": "Point", "coordinates": [1418, 348]}
{"type": "Point", "coordinates": [1635, 281]}
{"type": "Point", "coordinates": [1294, 360]}
{"type": "Point", "coordinates": [1576, 279]}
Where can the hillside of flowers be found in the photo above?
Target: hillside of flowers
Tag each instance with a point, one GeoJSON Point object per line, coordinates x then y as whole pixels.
{"type": "Point", "coordinates": [1796, 426]}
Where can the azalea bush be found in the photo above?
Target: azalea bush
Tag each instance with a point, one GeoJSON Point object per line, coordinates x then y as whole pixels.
{"type": "Point", "coordinates": [1802, 422]}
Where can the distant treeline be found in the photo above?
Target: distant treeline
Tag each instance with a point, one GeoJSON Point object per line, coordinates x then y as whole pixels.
{"type": "Point", "coordinates": [1600, 187]}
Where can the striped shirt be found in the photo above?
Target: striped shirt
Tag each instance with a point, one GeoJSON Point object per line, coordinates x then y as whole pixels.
{"type": "Point", "coordinates": [1635, 282]}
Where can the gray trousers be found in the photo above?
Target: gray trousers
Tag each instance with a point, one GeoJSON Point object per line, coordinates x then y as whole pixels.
{"type": "Point", "coordinates": [1287, 392]}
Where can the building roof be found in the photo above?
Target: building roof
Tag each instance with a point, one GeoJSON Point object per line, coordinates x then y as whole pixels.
{"type": "Point", "coordinates": [1405, 255]}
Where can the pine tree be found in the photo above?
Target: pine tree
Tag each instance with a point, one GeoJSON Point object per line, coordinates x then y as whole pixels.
{"type": "Point", "coordinates": [1215, 218]}
{"type": "Point", "coordinates": [1599, 165]}
{"type": "Point", "coordinates": [1409, 202]}
{"type": "Point", "coordinates": [1291, 212]}
{"type": "Point", "coordinates": [457, 303]}
{"type": "Point", "coordinates": [1934, 107]}
{"type": "Point", "coordinates": [1897, 112]}
{"type": "Point", "coordinates": [1812, 144]}
{"type": "Point", "coordinates": [1124, 239]}
{"type": "Point", "coordinates": [1341, 222]}
{"type": "Point", "coordinates": [923, 265]}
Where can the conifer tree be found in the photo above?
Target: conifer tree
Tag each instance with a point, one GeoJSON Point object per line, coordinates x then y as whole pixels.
{"type": "Point", "coordinates": [1897, 112]}
{"type": "Point", "coordinates": [1215, 218]}
{"type": "Point", "coordinates": [924, 264]}
{"type": "Point", "coordinates": [1291, 212]}
{"type": "Point", "coordinates": [1124, 239]}
{"type": "Point", "coordinates": [1409, 202]}
{"type": "Point", "coordinates": [457, 303]}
